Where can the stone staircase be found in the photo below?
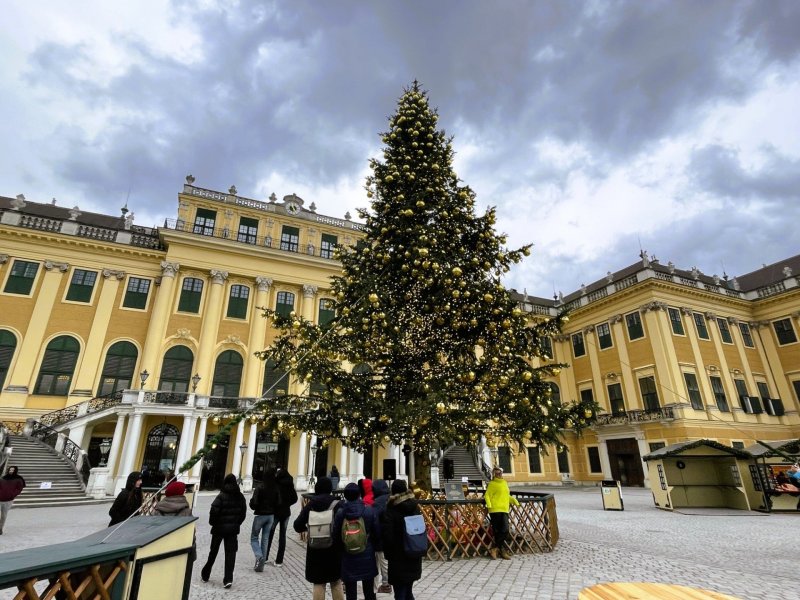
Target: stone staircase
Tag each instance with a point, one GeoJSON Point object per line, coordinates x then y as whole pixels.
{"type": "Point", "coordinates": [38, 463]}
{"type": "Point", "coordinates": [463, 464]}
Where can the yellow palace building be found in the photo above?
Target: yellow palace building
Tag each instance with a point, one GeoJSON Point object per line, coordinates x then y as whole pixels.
{"type": "Point", "coordinates": [127, 347]}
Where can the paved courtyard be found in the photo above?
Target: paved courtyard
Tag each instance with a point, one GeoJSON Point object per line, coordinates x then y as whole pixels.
{"type": "Point", "coordinates": [749, 555]}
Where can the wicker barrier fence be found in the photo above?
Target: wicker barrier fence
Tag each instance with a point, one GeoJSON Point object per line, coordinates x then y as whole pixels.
{"type": "Point", "coordinates": [461, 528]}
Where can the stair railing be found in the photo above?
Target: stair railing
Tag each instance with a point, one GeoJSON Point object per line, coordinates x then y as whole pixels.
{"type": "Point", "coordinates": [61, 444]}
{"type": "Point", "coordinates": [68, 413]}
{"type": "Point", "coordinates": [479, 462]}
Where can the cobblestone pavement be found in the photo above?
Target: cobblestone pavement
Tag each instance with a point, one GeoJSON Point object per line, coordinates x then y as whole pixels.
{"type": "Point", "coordinates": [749, 555]}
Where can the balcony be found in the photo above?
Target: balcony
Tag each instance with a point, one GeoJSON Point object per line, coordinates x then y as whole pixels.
{"type": "Point", "coordinates": [629, 417]}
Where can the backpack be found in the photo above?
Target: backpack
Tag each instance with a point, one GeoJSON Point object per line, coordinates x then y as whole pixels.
{"type": "Point", "coordinates": [354, 535]}
{"type": "Point", "coordinates": [415, 536]}
{"type": "Point", "coordinates": [320, 524]}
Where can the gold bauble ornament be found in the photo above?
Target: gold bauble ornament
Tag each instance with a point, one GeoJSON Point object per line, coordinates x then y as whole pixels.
{"type": "Point", "coordinates": [527, 375]}
{"type": "Point", "coordinates": [488, 297]}
{"type": "Point", "coordinates": [587, 413]}
{"type": "Point", "coordinates": [373, 298]}
{"type": "Point", "coordinates": [457, 271]}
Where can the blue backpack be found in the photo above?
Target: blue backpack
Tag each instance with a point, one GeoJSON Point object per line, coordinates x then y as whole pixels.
{"type": "Point", "coordinates": [415, 537]}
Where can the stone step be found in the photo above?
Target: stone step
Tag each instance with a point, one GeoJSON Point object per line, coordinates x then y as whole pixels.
{"type": "Point", "coordinates": [57, 502]}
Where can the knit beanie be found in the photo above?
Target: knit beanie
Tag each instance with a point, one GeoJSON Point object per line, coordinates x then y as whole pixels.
{"type": "Point", "coordinates": [176, 488]}
{"type": "Point", "coordinates": [351, 492]}
{"type": "Point", "coordinates": [323, 486]}
{"type": "Point", "coordinates": [399, 486]}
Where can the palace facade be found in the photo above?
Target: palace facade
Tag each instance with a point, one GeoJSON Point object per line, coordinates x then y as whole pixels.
{"type": "Point", "coordinates": [130, 346]}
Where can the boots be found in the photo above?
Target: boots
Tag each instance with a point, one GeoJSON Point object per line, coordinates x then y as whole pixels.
{"type": "Point", "coordinates": [506, 554]}
{"type": "Point", "coordinates": [493, 553]}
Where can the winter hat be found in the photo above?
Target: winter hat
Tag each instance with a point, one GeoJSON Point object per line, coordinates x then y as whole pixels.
{"type": "Point", "coordinates": [323, 486]}
{"type": "Point", "coordinates": [399, 486]}
{"type": "Point", "coordinates": [351, 492]}
{"type": "Point", "coordinates": [176, 488]}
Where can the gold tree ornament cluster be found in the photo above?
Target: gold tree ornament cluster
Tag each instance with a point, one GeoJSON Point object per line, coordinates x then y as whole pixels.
{"type": "Point", "coordinates": [440, 351]}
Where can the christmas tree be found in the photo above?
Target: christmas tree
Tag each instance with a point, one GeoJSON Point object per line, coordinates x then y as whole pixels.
{"type": "Point", "coordinates": [427, 346]}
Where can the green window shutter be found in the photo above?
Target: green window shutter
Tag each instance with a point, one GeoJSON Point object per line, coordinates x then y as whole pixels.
{"type": "Point", "coordinates": [8, 343]}
{"type": "Point", "coordinates": [176, 369]}
{"type": "Point", "coordinates": [20, 280]}
{"type": "Point", "coordinates": [118, 368]}
{"type": "Point", "coordinates": [694, 391]}
{"type": "Point", "coordinates": [634, 323]}
{"type": "Point", "coordinates": [58, 366]}
{"type": "Point", "coordinates": [228, 374]}
{"type": "Point", "coordinates": [275, 383]}
{"type": "Point", "coordinates": [534, 460]}
{"type": "Point", "coordinates": [676, 321]}
{"type": "Point", "coordinates": [237, 301]}
{"type": "Point", "coordinates": [593, 453]}
{"type": "Point", "coordinates": [615, 399]}
{"type": "Point", "coordinates": [326, 312]}
{"type": "Point", "coordinates": [563, 461]}
{"type": "Point", "coordinates": [647, 385]}
{"type": "Point", "coordinates": [284, 304]}
{"type": "Point", "coordinates": [81, 285]}
{"type": "Point", "coordinates": [136, 293]}
{"type": "Point", "coordinates": [191, 293]}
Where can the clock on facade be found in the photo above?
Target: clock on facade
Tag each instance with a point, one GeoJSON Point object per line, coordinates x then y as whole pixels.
{"type": "Point", "coordinates": [292, 208]}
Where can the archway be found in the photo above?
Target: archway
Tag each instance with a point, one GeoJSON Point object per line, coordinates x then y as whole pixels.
{"type": "Point", "coordinates": [160, 454]}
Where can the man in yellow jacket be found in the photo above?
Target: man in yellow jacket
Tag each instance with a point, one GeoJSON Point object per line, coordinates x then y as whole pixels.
{"type": "Point", "coordinates": [498, 500]}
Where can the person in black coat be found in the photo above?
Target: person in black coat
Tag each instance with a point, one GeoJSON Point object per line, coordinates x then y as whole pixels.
{"type": "Point", "coordinates": [323, 566]}
{"type": "Point", "coordinates": [287, 497]}
{"type": "Point", "coordinates": [128, 501]}
{"type": "Point", "coordinates": [403, 570]}
{"type": "Point", "coordinates": [380, 492]}
{"type": "Point", "coordinates": [362, 566]}
{"type": "Point", "coordinates": [228, 512]}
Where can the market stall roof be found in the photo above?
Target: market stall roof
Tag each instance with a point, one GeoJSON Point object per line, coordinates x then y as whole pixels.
{"type": "Point", "coordinates": [681, 447]}
{"type": "Point", "coordinates": [791, 447]}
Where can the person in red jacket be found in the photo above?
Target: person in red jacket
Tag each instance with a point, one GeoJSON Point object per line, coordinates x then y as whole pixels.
{"type": "Point", "coordinates": [9, 489]}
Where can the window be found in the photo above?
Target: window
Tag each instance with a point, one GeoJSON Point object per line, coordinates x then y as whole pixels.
{"type": "Point", "coordinates": [118, 368]}
{"type": "Point", "coordinates": [634, 323]}
{"type": "Point", "coordinates": [546, 347]}
{"type": "Point", "coordinates": [204, 221]}
{"type": "Point", "coordinates": [58, 366]}
{"type": "Point", "coordinates": [290, 238]}
{"type": "Point", "coordinates": [719, 394]}
{"type": "Point", "coordinates": [784, 331]}
{"type": "Point", "coordinates": [555, 394]}
{"type": "Point", "coordinates": [563, 460]}
{"type": "Point", "coordinates": [20, 280]}
{"type": "Point", "coordinates": [227, 374]}
{"type": "Point", "coordinates": [749, 404]}
{"type": "Point", "coordinates": [746, 337]}
{"type": "Point", "coordinates": [176, 370]}
{"type": "Point", "coordinates": [276, 381]}
{"type": "Point", "coordinates": [8, 343]}
{"type": "Point", "coordinates": [237, 301]}
{"type": "Point", "coordinates": [676, 321]}
{"type": "Point", "coordinates": [534, 460]}
{"type": "Point", "coordinates": [694, 391]}
{"type": "Point", "coordinates": [604, 336]}
{"type": "Point", "coordinates": [763, 391]}
{"type": "Point", "coordinates": [587, 398]}
{"type": "Point", "coordinates": [136, 293]}
{"type": "Point", "coordinates": [578, 349]}
{"type": "Point", "coordinates": [328, 246]}
{"type": "Point", "coordinates": [285, 303]}
{"type": "Point", "coordinates": [656, 446]}
{"type": "Point", "coordinates": [647, 385]}
{"type": "Point", "coordinates": [191, 292]}
{"type": "Point", "coordinates": [504, 458]}
{"type": "Point", "coordinates": [594, 459]}
{"type": "Point", "coordinates": [737, 445]}
{"type": "Point", "coordinates": [741, 387]}
{"type": "Point", "coordinates": [615, 398]}
{"type": "Point", "coordinates": [773, 406]}
{"type": "Point", "coordinates": [700, 324]}
{"type": "Point", "coordinates": [326, 312]}
{"type": "Point", "coordinates": [81, 285]}
{"type": "Point", "coordinates": [248, 230]}
{"type": "Point", "coordinates": [724, 331]}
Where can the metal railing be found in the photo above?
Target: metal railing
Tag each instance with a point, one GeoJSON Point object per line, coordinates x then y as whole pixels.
{"type": "Point", "coordinates": [66, 414]}
{"type": "Point", "coordinates": [636, 416]}
{"type": "Point", "coordinates": [171, 398]}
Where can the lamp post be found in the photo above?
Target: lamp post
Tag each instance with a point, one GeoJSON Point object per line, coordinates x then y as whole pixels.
{"type": "Point", "coordinates": [313, 479]}
{"type": "Point", "coordinates": [195, 380]}
{"type": "Point", "coordinates": [242, 450]}
{"type": "Point", "coordinates": [105, 446]}
{"type": "Point", "coordinates": [143, 377]}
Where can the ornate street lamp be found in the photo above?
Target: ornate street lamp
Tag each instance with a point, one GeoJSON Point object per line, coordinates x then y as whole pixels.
{"type": "Point", "coordinates": [242, 450]}
{"type": "Point", "coordinates": [143, 377]}
{"type": "Point", "coordinates": [195, 380]}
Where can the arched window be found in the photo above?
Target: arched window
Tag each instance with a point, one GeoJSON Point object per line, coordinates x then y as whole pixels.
{"type": "Point", "coordinates": [8, 343]}
{"type": "Point", "coordinates": [58, 366]}
{"type": "Point", "coordinates": [176, 370]}
{"type": "Point", "coordinates": [160, 454]}
{"type": "Point", "coordinates": [118, 368]}
{"type": "Point", "coordinates": [284, 304]}
{"type": "Point", "coordinates": [272, 450]}
{"type": "Point", "coordinates": [276, 382]}
{"type": "Point", "coordinates": [227, 374]}
{"type": "Point", "coordinates": [555, 393]}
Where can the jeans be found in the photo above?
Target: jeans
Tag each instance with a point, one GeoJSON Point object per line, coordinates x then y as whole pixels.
{"type": "Point", "coordinates": [231, 546]}
{"type": "Point", "coordinates": [499, 522]}
{"type": "Point", "coordinates": [4, 508]}
{"type": "Point", "coordinates": [262, 524]}
{"type": "Point", "coordinates": [351, 589]}
{"type": "Point", "coordinates": [403, 591]}
{"type": "Point", "coordinates": [281, 539]}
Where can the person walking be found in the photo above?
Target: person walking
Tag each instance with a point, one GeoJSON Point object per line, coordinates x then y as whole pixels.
{"type": "Point", "coordinates": [404, 570]}
{"type": "Point", "coordinates": [228, 512]}
{"type": "Point", "coordinates": [365, 489]}
{"type": "Point", "coordinates": [287, 497]}
{"type": "Point", "coordinates": [359, 566]}
{"type": "Point", "coordinates": [174, 503]}
{"type": "Point", "coordinates": [498, 500]}
{"type": "Point", "coordinates": [323, 565]}
{"type": "Point", "coordinates": [334, 476]}
{"type": "Point", "coordinates": [12, 474]}
{"type": "Point", "coordinates": [264, 502]}
{"type": "Point", "coordinates": [380, 493]}
{"type": "Point", "coordinates": [128, 501]}
{"type": "Point", "coordinates": [9, 489]}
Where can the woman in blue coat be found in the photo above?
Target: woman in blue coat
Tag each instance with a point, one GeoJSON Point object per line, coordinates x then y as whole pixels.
{"type": "Point", "coordinates": [362, 566]}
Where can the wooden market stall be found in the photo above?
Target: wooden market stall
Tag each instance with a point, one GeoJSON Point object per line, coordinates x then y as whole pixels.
{"type": "Point", "coordinates": [772, 489]}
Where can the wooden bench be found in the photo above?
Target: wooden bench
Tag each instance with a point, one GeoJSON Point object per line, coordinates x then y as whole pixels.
{"type": "Point", "coordinates": [643, 590]}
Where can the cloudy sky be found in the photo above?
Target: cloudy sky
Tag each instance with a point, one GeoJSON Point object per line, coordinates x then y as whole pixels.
{"type": "Point", "coordinates": [595, 127]}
